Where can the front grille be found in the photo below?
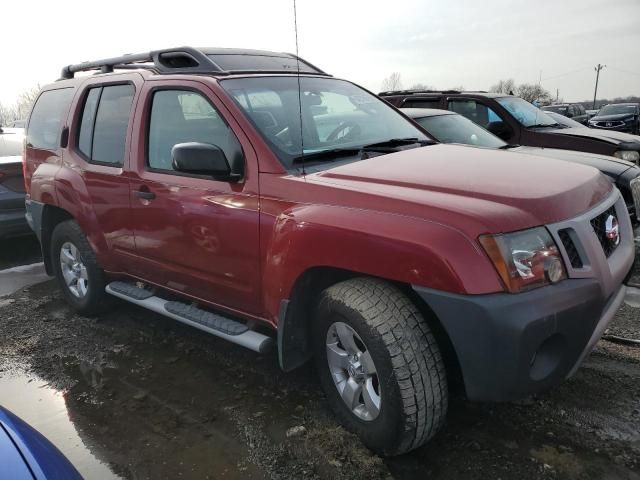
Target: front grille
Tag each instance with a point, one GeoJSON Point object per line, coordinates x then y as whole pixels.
{"type": "Point", "coordinates": [570, 248]}
{"type": "Point", "coordinates": [599, 225]}
{"type": "Point", "coordinates": [610, 124]}
{"type": "Point", "coordinates": [635, 191]}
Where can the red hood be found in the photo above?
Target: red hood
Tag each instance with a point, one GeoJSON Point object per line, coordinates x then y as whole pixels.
{"type": "Point", "coordinates": [475, 190]}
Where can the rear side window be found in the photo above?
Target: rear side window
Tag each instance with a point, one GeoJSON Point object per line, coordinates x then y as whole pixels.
{"type": "Point", "coordinates": [421, 103]}
{"type": "Point", "coordinates": [104, 123]}
{"type": "Point", "coordinates": [474, 111]}
{"type": "Point", "coordinates": [47, 117]}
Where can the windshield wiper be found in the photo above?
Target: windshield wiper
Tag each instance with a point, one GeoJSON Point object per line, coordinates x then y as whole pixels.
{"type": "Point", "coordinates": [329, 154]}
{"type": "Point", "coordinates": [543, 125]}
{"type": "Point", "coordinates": [507, 146]}
{"type": "Point", "coordinates": [396, 142]}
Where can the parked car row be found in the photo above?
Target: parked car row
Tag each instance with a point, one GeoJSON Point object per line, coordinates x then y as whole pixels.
{"type": "Point", "coordinates": [449, 127]}
{"type": "Point", "coordinates": [12, 218]}
{"type": "Point", "coordinates": [574, 111]}
{"type": "Point", "coordinates": [220, 189]}
{"type": "Point", "coordinates": [621, 117]}
{"type": "Point", "coordinates": [518, 122]}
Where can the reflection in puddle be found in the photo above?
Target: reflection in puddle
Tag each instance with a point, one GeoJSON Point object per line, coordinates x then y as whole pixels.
{"type": "Point", "coordinates": [45, 409]}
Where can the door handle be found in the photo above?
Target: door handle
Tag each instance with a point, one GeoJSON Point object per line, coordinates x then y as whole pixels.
{"type": "Point", "coordinates": [144, 195]}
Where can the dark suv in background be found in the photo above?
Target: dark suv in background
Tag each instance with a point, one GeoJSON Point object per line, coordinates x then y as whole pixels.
{"type": "Point", "coordinates": [569, 110]}
{"type": "Point", "coordinates": [621, 117]}
{"type": "Point", "coordinates": [518, 122]}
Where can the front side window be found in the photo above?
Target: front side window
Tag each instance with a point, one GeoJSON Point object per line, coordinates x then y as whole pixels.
{"type": "Point", "coordinates": [450, 128]}
{"type": "Point", "coordinates": [47, 118]}
{"type": "Point", "coordinates": [526, 114]}
{"type": "Point", "coordinates": [104, 124]}
{"type": "Point", "coordinates": [332, 114]}
{"type": "Point", "coordinates": [180, 116]}
{"type": "Point", "coordinates": [477, 112]}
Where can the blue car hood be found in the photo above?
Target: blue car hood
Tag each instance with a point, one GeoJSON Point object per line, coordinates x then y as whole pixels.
{"type": "Point", "coordinates": [26, 448]}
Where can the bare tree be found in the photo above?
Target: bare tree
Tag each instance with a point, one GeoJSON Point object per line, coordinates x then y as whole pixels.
{"type": "Point", "coordinates": [504, 86]}
{"type": "Point", "coordinates": [21, 108]}
{"type": "Point", "coordinates": [533, 93]}
{"type": "Point", "coordinates": [422, 86]}
{"type": "Point", "coordinates": [392, 82]}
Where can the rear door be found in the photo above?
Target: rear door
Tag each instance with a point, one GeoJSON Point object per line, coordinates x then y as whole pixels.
{"type": "Point", "coordinates": [99, 143]}
{"type": "Point", "coordinates": [193, 234]}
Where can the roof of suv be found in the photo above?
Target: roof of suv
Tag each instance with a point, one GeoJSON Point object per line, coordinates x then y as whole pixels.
{"type": "Point", "coordinates": [442, 92]}
{"type": "Point", "coordinates": [214, 61]}
{"type": "Point", "coordinates": [425, 112]}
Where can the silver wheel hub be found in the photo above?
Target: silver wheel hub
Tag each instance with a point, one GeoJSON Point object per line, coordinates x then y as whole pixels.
{"type": "Point", "coordinates": [73, 270]}
{"type": "Point", "coordinates": [353, 372]}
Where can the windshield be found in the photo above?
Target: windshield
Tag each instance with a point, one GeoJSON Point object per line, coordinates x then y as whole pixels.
{"type": "Point", "coordinates": [335, 114]}
{"type": "Point", "coordinates": [458, 129]}
{"type": "Point", "coordinates": [556, 108]}
{"type": "Point", "coordinates": [525, 113]}
{"type": "Point", "coordinates": [617, 110]}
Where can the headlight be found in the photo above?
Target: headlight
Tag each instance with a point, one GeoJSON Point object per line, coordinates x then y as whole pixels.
{"type": "Point", "coordinates": [525, 260]}
{"type": "Point", "coordinates": [628, 155]}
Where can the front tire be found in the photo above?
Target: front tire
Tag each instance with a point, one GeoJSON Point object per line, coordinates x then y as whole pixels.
{"type": "Point", "coordinates": [81, 278]}
{"type": "Point", "coordinates": [379, 365]}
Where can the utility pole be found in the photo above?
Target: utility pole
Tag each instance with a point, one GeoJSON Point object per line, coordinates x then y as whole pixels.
{"type": "Point", "coordinates": [597, 69]}
{"type": "Point", "coordinates": [557, 94]}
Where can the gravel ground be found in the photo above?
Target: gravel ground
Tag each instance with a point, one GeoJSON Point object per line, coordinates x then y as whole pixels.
{"type": "Point", "coordinates": [151, 398]}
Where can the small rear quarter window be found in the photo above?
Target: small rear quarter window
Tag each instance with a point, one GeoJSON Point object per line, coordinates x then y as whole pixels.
{"type": "Point", "coordinates": [47, 118]}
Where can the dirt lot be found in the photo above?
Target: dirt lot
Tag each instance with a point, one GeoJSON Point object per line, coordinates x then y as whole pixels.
{"type": "Point", "coordinates": [135, 395]}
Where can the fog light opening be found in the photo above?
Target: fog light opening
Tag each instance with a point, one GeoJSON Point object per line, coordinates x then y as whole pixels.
{"type": "Point", "coordinates": [548, 357]}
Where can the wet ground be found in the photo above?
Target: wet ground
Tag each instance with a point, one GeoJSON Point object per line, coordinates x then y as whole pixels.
{"type": "Point", "coordinates": [134, 395]}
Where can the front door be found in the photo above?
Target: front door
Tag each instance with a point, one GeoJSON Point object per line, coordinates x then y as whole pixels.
{"type": "Point", "coordinates": [193, 234]}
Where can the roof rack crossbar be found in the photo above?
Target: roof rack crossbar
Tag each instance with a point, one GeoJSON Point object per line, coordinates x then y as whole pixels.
{"type": "Point", "coordinates": [182, 59]}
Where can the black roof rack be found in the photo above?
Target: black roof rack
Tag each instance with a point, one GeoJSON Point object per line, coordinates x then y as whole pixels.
{"type": "Point", "coordinates": [220, 61]}
{"type": "Point", "coordinates": [421, 92]}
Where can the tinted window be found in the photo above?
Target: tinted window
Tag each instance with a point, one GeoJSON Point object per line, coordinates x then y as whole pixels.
{"type": "Point", "coordinates": [112, 121]}
{"type": "Point", "coordinates": [474, 111]}
{"type": "Point", "coordinates": [179, 116]}
{"type": "Point", "coordinates": [85, 138]}
{"type": "Point", "coordinates": [421, 103]}
{"type": "Point", "coordinates": [47, 118]}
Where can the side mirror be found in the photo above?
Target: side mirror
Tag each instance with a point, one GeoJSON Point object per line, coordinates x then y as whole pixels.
{"type": "Point", "coordinates": [499, 129]}
{"type": "Point", "coordinates": [568, 114]}
{"type": "Point", "coordinates": [203, 159]}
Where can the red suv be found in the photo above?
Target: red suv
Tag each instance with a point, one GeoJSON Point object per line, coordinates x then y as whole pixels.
{"type": "Point", "coordinates": [251, 195]}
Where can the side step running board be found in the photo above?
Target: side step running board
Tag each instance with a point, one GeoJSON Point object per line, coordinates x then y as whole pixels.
{"type": "Point", "coordinates": [204, 320]}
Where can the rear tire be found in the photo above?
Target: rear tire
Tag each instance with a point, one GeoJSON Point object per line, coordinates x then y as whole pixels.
{"type": "Point", "coordinates": [403, 395]}
{"type": "Point", "coordinates": [81, 278]}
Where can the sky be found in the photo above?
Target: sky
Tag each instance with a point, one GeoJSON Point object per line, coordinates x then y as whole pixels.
{"type": "Point", "coordinates": [442, 43]}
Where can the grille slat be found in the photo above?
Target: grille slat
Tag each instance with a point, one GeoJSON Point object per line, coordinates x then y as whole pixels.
{"type": "Point", "coordinates": [635, 191]}
{"type": "Point", "coordinates": [599, 227]}
{"type": "Point", "coordinates": [570, 248]}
